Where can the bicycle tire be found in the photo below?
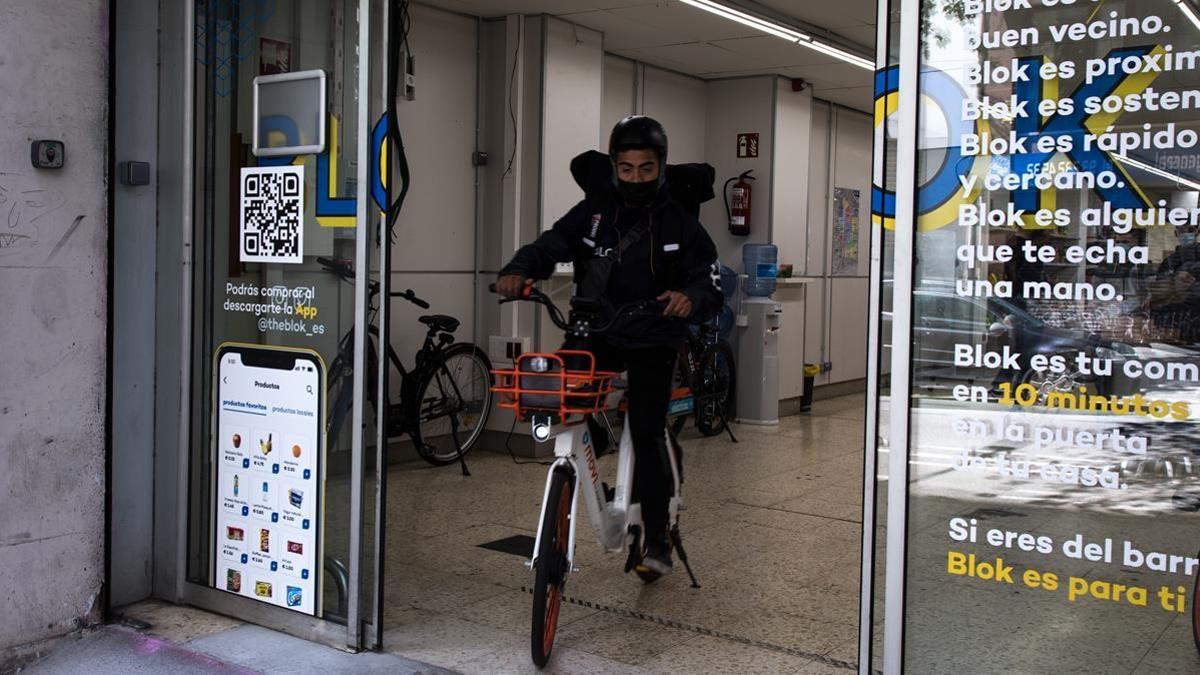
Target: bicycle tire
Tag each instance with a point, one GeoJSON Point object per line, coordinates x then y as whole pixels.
{"type": "Point", "coordinates": [683, 378]}
{"type": "Point", "coordinates": [716, 378]}
{"type": "Point", "coordinates": [435, 443]}
{"type": "Point", "coordinates": [341, 379]}
{"type": "Point", "coordinates": [550, 572]}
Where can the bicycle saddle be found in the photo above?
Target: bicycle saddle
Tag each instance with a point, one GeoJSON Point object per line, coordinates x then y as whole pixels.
{"type": "Point", "coordinates": [440, 322]}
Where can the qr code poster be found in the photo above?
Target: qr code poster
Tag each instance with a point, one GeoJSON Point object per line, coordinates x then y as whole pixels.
{"type": "Point", "coordinates": [273, 214]}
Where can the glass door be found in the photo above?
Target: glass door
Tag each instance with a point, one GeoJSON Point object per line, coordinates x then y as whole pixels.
{"type": "Point", "coordinates": [1042, 475]}
{"type": "Point", "coordinates": [283, 490]}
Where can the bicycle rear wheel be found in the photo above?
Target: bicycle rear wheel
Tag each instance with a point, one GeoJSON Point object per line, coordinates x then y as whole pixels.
{"type": "Point", "coordinates": [452, 403]}
{"type": "Point", "coordinates": [550, 572]}
{"type": "Point", "coordinates": [715, 389]}
{"type": "Point", "coordinates": [683, 378]}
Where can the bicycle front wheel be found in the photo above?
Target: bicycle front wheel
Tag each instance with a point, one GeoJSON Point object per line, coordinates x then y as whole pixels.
{"type": "Point", "coordinates": [452, 404]}
{"type": "Point", "coordinates": [715, 387]}
{"type": "Point", "coordinates": [550, 571]}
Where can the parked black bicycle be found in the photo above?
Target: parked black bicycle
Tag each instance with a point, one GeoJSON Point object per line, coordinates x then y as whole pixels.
{"type": "Point", "coordinates": [444, 400]}
{"type": "Point", "coordinates": [706, 366]}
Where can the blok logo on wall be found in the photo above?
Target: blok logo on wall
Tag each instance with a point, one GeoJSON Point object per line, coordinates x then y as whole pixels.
{"type": "Point", "coordinates": [330, 209]}
{"type": "Point", "coordinates": [1053, 126]}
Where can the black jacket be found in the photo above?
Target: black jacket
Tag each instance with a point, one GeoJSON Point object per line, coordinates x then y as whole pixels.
{"type": "Point", "coordinates": [644, 271]}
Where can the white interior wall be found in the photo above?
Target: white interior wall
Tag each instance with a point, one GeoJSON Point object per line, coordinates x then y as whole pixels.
{"type": "Point", "coordinates": [816, 250]}
{"type": "Point", "coordinates": [680, 102]}
{"type": "Point", "coordinates": [572, 91]}
{"type": "Point", "coordinates": [434, 249]}
{"type": "Point", "coordinates": [743, 105]}
{"type": "Point", "coordinates": [848, 294]}
{"type": "Point", "coordinates": [789, 218]}
{"type": "Point", "coordinates": [619, 95]}
{"type": "Point", "coordinates": [836, 315]}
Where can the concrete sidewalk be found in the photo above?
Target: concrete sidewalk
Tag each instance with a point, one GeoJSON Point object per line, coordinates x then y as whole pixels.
{"type": "Point", "coordinates": [238, 650]}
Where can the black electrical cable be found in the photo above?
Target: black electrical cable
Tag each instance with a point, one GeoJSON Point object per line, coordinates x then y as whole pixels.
{"type": "Point", "coordinates": [397, 37]}
{"type": "Point", "coordinates": [512, 114]}
{"type": "Point", "coordinates": [725, 194]}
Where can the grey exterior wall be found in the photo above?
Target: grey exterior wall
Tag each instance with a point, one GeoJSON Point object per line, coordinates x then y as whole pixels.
{"type": "Point", "coordinates": [135, 236]}
{"type": "Point", "coordinates": [53, 279]}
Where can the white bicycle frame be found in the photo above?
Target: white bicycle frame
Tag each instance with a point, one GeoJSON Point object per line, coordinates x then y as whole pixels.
{"type": "Point", "coordinates": [573, 448]}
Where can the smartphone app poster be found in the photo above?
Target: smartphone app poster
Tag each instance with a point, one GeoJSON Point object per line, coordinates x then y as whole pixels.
{"type": "Point", "coordinates": [267, 458]}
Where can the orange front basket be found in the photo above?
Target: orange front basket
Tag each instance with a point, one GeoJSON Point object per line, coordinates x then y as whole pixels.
{"type": "Point", "coordinates": [561, 384]}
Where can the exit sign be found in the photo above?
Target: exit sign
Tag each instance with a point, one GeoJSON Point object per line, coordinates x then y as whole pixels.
{"type": "Point", "coordinates": [747, 146]}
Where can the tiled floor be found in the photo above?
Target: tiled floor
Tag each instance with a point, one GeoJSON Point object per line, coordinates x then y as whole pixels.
{"type": "Point", "coordinates": [771, 527]}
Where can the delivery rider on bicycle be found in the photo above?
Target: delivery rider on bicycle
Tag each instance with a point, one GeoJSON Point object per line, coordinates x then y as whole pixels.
{"type": "Point", "coordinates": [632, 243]}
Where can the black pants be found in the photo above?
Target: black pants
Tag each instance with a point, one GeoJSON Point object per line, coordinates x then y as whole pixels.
{"type": "Point", "coordinates": [650, 373]}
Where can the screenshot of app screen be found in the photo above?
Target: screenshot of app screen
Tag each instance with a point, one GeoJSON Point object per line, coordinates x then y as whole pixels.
{"type": "Point", "coordinates": [268, 476]}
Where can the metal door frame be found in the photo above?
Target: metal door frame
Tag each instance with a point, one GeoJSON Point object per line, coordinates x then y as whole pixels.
{"type": "Point", "coordinates": [899, 405]}
{"type": "Point", "coordinates": [173, 380]}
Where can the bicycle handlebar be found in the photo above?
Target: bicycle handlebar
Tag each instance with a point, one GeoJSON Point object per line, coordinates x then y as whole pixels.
{"type": "Point", "coordinates": [408, 295]}
{"type": "Point", "coordinates": [345, 270]}
{"type": "Point", "coordinates": [532, 294]}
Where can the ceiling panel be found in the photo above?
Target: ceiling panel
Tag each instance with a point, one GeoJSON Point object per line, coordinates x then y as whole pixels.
{"type": "Point", "coordinates": [685, 22]}
{"type": "Point", "coordinates": [492, 8]}
{"type": "Point", "coordinates": [653, 60]}
{"type": "Point", "coordinates": [863, 35]}
{"type": "Point", "coordinates": [699, 57]}
{"type": "Point", "coordinates": [622, 33]}
{"type": "Point", "coordinates": [775, 52]}
{"type": "Point", "coordinates": [672, 35]}
{"type": "Point", "coordinates": [831, 15]}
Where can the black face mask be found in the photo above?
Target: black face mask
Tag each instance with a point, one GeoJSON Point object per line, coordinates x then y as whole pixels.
{"type": "Point", "coordinates": [637, 194]}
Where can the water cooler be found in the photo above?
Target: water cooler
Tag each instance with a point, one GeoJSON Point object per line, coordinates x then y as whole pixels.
{"type": "Point", "coordinates": [758, 362]}
{"type": "Point", "coordinates": [758, 342]}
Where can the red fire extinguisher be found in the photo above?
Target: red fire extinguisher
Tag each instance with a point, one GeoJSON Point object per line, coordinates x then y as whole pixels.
{"type": "Point", "coordinates": [739, 211]}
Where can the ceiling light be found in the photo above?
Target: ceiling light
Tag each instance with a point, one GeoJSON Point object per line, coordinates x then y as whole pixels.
{"type": "Point", "coordinates": [846, 56]}
{"type": "Point", "coordinates": [1189, 12]}
{"type": "Point", "coordinates": [1157, 171]}
{"type": "Point", "coordinates": [748, 20]}
{"type": "Point", "coordinates": [781, 31]}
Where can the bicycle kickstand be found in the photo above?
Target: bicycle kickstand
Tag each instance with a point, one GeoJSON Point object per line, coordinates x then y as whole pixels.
{"type": "Point", "coordinates": [678, 542]}
{"type": "Point", "coordinates": [728, 428]}
{"type": "Point", "coordinates": [462, 459]}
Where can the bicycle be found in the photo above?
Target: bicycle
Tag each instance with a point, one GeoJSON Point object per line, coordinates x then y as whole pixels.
{"type": "Point", "coordinates": [706, 368]}
{"type": "Point", "coordinates": [444, 400]}
{"type": "Point", "coordinates": [556, 392]}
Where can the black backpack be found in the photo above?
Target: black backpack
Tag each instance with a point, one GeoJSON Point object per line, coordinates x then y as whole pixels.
{"type": "Point", "coordinates": [689, 185]}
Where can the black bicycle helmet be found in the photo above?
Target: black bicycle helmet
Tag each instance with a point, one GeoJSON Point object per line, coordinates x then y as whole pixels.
{"type": "Point", "coordinates": [638, 132]}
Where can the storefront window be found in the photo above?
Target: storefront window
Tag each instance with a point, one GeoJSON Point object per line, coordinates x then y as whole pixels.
{"type": "Point", "coordinates": [1056, 296]}
{"type": "Point", "coordinates": [275, 251]}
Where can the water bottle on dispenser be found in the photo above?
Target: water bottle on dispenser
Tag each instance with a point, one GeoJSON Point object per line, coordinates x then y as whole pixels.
{"type": "Point", "coordinates": [760, 262]}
